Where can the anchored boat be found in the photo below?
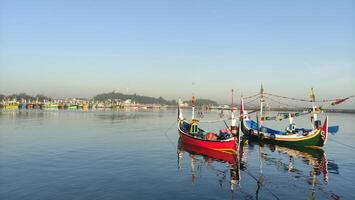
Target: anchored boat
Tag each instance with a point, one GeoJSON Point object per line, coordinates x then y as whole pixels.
{"type": "Point", "coordinates": [225, 140]}
{"type": "Point", "coordinates": [291, 136]}
{"type": "Point", "coordinates": [300, 138]}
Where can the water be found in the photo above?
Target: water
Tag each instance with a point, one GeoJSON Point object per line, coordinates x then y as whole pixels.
{"type": "Point", "coordinates": [135, 155]}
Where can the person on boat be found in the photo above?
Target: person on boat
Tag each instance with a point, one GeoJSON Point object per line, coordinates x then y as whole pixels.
{"type": "Point", "coordinates": [291, 128]}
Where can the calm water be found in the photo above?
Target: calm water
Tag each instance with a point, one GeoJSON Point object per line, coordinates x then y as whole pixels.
{"type": "Point", "coordinates": [135, 155]}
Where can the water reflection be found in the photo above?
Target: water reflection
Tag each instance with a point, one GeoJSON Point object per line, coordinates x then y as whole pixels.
{"type": "Point", "coordinates": [313, 169]}
{"type": "Point", "coordinates": [204, 157]}
{"type": "Point", "coordinates": [316, 158]}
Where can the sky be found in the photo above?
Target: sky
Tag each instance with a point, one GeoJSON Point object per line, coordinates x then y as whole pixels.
{"type": "Point", "coordinates": [178, 48]}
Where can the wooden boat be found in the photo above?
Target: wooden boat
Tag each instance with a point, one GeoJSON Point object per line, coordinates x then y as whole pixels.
{"type": "Point", "coordinates": [11, 106]}
{"type": "Point", "coordinates": [315, 138]}
{"type": "Point", "coordinates": [29, 106]}
{"type": "Point", "coordinates": [22, 106]}
{"type": "Point", "coordinates": [72, 107]}
{"type": "Point", "coordinates": [296, 137]}
{"type": "Point", "coordinates": [51, 106]}
{"type": "Point", "coordinates": [190, 133]}
{"type": "Point", "coordinates": [227, 145]}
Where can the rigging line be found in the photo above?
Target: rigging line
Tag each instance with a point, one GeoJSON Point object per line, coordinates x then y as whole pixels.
{"type": "Point", "coordinates": [305, 100]}
{"type": "Point", "coordinates": [166, 135]}
{"type": "Point", "coordinates": [341, 143]}
{"type": "Point", "coordinates": [248, 97]}
{"type": "Point", "coordinates": [251, 101]}
{"type": "Point", "coordinates": [215, 121]}
{"type": "Point", "coordinates": [291, 98]}
{"type": "Point", "coordinates": [285, 104]}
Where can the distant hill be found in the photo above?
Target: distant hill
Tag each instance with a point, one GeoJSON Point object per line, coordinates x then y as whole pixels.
{"type": "Point", "coordinates": [134, 97]}
{"type": "Point", "coordinates": [25, 96]}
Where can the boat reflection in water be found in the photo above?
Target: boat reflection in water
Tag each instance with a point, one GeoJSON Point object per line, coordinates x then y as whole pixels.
{"type": "Point", "coordinates": [314, 160]}
{"type": "Point", "coordinates": [202, 156]}
{"type": "Point", "coordinates": [314, 157]}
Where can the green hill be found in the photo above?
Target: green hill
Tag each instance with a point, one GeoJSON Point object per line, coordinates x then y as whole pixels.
{"type": "Point", "coordinates": [134, 97]}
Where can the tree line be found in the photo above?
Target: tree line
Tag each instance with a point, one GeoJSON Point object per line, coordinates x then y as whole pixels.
{"type": "Point", "coordinates": [27, 97]}
{"type": "Point", "coordinates": [134, 97]}
{"type": "Point", "coordinates": [111, 96]}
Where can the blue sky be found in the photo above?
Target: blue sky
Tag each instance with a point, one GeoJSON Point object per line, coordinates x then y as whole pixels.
{"type": "Point", "coordinates": [159, 48]}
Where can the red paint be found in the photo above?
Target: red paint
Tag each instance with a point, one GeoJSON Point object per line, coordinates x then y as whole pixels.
{"type": "Point", "coordinates": [216, 145]}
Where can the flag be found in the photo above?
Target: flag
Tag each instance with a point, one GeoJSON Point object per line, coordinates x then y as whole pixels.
{"type": "Point", "coordinates": [339, 101]}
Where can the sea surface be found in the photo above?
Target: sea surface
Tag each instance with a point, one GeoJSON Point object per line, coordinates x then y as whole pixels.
{"type": "Point", "coordinates": [137, 155]}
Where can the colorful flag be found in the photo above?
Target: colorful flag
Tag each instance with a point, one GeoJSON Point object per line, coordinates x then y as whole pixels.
{"type": "Point", "coordinates": [339, 101]}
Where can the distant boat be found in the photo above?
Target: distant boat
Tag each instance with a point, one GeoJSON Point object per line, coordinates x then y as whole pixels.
{"type": "Point", "coordinates": [72, 107]}
{"type": "Point", "coordinates": [30, 106]}
{"type": "Point", "coordinates": [11, 106]}
{"type": "Point", "coordinates": [51, 106]}
{"type": "Point", "coordinates": [22, 106]}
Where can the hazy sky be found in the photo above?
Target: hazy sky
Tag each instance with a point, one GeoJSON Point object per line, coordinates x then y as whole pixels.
{"type": "Point", "coordinates": [160, 48]}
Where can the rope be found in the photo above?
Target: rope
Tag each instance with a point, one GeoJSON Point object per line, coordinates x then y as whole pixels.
{"type": "Point", "coordinates": [248, 102]}
{"type": "Point", "coordinates": [215, 121]}
{"type": "Point", "coordinates": [305, 100]}
{"type": "Point", "coordinates": [174, 145]}
{"type": "Point", "coordinates": [290, 98]}
{"type": "Point", "coordinates": [248, 97]}
{"type": "Point", "coordinates": [341, 143]}
{"type": "Point", "coordinates": [285, 104]}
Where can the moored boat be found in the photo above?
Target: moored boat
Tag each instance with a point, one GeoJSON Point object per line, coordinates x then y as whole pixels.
{"type": "Point", "coordinates": [50, 106]}
{"type": "Point", "coordinates": [292, 136]}
{"type": "Point", "coordinates": [226, 140]}
{"type": "Point", "coordinates": [72, 107]}
{"type": "Point", "coordinates": [301, 138]}
{"type": "Point", "coordinates": [11, 106]}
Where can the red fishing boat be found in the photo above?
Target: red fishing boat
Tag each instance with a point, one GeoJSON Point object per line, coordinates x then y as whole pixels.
{"type": "Point", "coordinates": [226, 145]}
{"type": "Point", "coordinates": [226, 140]}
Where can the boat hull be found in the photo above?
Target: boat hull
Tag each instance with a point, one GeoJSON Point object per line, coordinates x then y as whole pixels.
{"type": "Point", "coordinates": [314, 139]}
{"type": "Point", "coordinates": [229, 145]}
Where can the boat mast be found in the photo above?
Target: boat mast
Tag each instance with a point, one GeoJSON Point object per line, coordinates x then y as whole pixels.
{"type": "Point", "coordinates": [261, 103]}
{"type": "Point", "coordinates": [313, 99]}
{"type": "Point", "coordinates": [193, 107]}
{"type": "Point", "coordinates": [234, 121]}
{"type": "Point", "coordinates": [180, 117]}
{"type": "Point", "coordinates": [241, 108]}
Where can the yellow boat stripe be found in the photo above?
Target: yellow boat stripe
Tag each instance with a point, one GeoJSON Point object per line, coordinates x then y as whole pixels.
{"type": "Point", "coordinates": [298, 139]}
{"type": "Point", "coordinates": [229, 151]}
